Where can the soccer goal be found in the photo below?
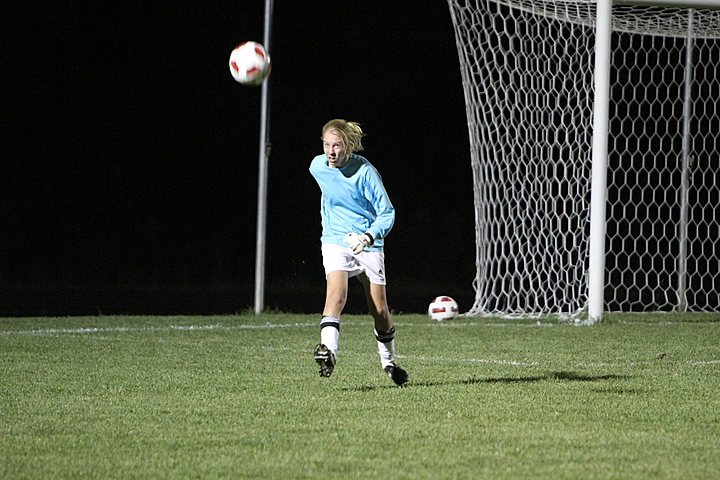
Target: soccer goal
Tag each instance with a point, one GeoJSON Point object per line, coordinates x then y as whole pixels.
{"type": "Point", "coordinates": [564, 194]}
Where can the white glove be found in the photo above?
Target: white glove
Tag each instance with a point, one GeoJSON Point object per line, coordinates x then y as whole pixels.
{"type": "Point", "coordinates": [357, 242]}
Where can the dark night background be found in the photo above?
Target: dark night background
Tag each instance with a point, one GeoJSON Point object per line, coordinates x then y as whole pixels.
{"type": "Point", "coordinates": [129, 155]}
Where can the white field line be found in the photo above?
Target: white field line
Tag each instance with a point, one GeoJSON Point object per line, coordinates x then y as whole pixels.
{"type": "Point", "coordinates": [264, 326]}
{"type": "Point", "coordinates": [92, 330]}
{"type": "Point", "coordinates": [706, 362]}
{"type": "Point", "coordinates": [534, 364]}
{"type": "Point", "coordinates": [514, 363]}
{"type": "Point", "coordinates": [463, 323]}
{"type": "Point", "coordinates": [269, 326]}
{"type": "Point", "coordinates": [506, 362]}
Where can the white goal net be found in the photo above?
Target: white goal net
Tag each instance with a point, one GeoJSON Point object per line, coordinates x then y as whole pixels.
{"type": "Point", "coordinates": [527, 69]}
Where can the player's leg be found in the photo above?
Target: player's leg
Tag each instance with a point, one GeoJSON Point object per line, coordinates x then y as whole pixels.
{"type": "Point", "coordinates": [335, 297]}
{"type": "Point", "coordinates": [376, 296]}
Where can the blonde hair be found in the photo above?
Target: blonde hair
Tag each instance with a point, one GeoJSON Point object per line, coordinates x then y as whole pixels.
{"type": "Point", "coordinates": [349, 132]}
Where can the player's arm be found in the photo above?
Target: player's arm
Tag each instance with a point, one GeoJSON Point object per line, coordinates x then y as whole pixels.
{"type": "Point", "coordinates": [384, 210]}
{"type": "Point", "coordinates": [384, 215]}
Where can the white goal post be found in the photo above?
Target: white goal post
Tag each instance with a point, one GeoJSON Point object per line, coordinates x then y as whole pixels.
{"type": "Point", "coordinates": [594, 130]}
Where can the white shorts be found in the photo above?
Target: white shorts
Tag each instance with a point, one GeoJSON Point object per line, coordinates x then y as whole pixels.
{"type": "Point", "coordinates": [371, 264]}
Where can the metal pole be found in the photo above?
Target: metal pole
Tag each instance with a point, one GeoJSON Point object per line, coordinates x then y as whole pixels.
{"type": "Point", "coordinates": [598, 192]}
{"type": "Point", "coordinates": [685, 182]}
{"type": "Point", "coordinates": [264, 156]}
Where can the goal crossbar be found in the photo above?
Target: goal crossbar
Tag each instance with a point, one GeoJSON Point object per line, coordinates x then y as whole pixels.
{"type": "Point", "coordinates": [697, 4]}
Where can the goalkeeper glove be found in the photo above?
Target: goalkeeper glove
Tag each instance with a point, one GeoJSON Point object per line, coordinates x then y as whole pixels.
{"type": "Point", "coordinates": [357, 242]}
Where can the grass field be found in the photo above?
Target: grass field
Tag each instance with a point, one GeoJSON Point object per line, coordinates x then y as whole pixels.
{"type": "Point", "coordinates": [239, 397]}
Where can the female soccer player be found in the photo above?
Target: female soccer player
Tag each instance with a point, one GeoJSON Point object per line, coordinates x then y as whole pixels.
{"type": "Point", "coordinates": [356, 217]}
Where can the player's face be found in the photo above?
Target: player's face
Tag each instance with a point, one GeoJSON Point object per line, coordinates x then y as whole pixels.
{"type": "Point", "coordinates": [334, 150]}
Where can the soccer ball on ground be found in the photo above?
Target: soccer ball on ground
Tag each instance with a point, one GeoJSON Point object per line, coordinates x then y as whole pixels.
{"type": "Point", "coordinates": [443, 308]}
{"type": "Point", "coordinates": [249, 63]}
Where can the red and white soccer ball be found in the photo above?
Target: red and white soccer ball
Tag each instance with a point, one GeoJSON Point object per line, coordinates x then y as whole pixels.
{"type": "Point", "coordinates": [443, 308]}
{"type": "Point", "coordinates": [249, 63]}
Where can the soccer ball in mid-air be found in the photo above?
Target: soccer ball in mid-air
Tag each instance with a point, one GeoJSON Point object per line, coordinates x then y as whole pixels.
{"type": "Point", "coordinates": [249, 63]}
{"type": "Point", "coordinates": [443, 308]}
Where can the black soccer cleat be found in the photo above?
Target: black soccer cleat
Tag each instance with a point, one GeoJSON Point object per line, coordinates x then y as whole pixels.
{"type": "Point", "coordinates": [325, 360]}
{"type": "Point", "coordinates": [397, 374]}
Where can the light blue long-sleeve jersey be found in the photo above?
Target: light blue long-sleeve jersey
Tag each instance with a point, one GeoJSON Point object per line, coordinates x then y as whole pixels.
{"type": "Point", "coordinates": [353, 200]}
